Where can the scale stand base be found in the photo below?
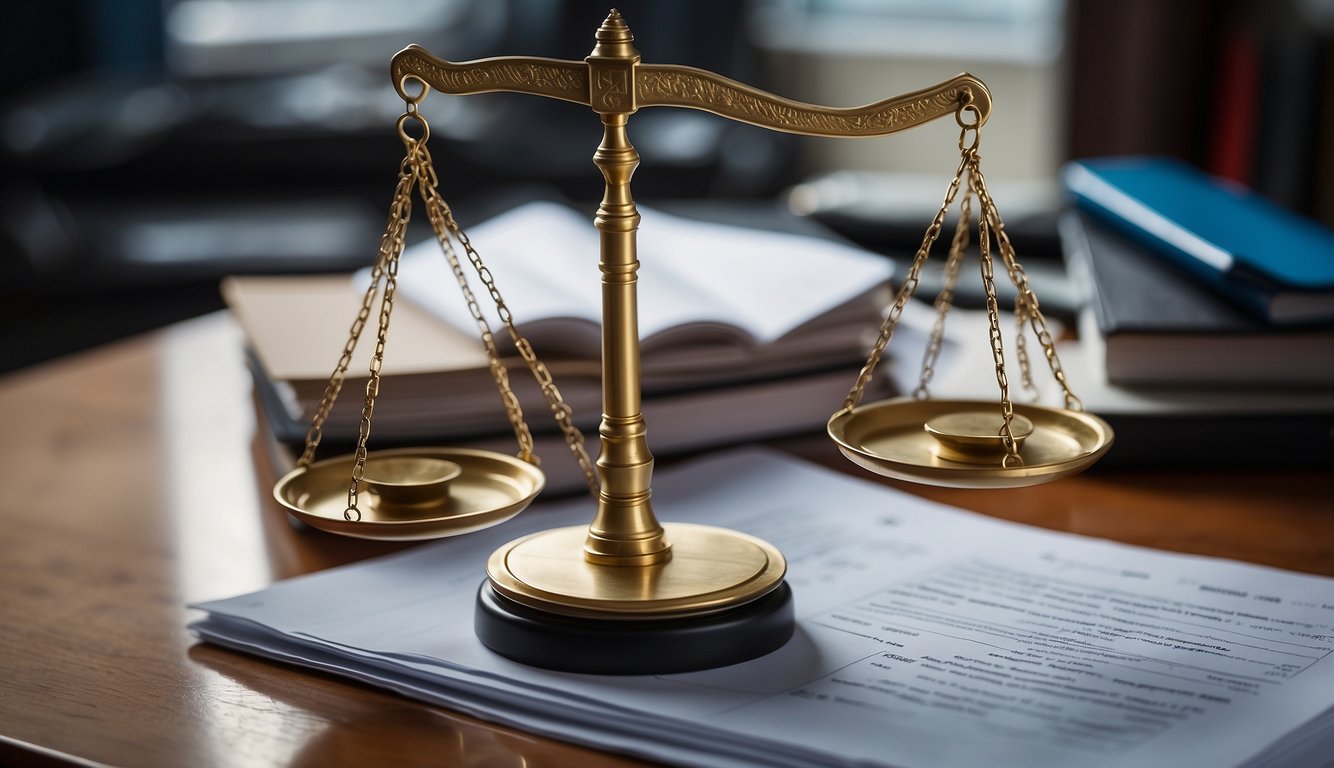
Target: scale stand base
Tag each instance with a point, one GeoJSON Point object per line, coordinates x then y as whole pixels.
{"type": "Point", "coordinates": [634, 646]}
{"type": "Point", "coordinates": [718, 599]}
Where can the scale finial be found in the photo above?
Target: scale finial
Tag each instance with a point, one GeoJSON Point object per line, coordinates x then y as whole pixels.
{"type": "Point", "coordinates": [611, 67]}
{"type": "Point", "coordinates": [614, 29]}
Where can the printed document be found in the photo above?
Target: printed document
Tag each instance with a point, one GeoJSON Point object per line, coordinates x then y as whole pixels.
{"type": "Point", "coordinates": [927, 636]}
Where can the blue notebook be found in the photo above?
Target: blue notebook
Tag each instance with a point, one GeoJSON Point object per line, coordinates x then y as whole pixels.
{"type": "Point", "coordinates": [1269, 260]}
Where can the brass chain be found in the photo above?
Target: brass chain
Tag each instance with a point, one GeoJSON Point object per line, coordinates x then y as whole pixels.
{"type": "Point", "coordinates": [426, 185]}
{"type": "Point", "coordinates": [446, 230]}
{"type": "Point", "coordinates": [418, 170]}
{"type": "Point", "coordinates": [400, 214]}
{"type": "Point", "coordinates": [945, 299]}
{"type": "Point", "coordinates": [1021, 312]}
{"type": "Point", "coordinates": [1026, 308]}
{"type": "Point", "coordinates": [384, 272]}
{"type": "Point", "coordinates": [1012, 457]}
{"type": "Point", "coordinates": [1027, 301]}
{"type": "Point", "coordinates": [395, 227]}
{"type": "Point", "coordinates": [905, 292]}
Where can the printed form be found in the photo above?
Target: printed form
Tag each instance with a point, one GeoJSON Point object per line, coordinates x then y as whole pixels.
{"type": "Point", "coordinates": [927, 636]}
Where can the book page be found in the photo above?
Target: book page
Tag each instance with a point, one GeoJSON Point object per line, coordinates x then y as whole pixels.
{"type": "Point", "coordinates": [298, 326]}
{"type": "Point", "coordinates": [757, 284]}
{"type": "Point", "coordinates": [926, 636]}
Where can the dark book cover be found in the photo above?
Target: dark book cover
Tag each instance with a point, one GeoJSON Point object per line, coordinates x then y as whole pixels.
{"type": "Point", "coordinates": [1161, 326]}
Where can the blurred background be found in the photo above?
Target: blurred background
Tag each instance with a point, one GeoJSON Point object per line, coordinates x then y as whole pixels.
{"type": "Point", "coordinates": [149, 147]}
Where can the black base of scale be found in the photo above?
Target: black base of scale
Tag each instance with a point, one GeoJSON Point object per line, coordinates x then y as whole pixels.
{"type": "Point", "coordinates": [634, 646]}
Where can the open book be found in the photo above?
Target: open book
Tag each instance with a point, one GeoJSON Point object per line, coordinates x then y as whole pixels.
{"type": "Point", "coordinates": [810, 310]}
{"type": "Point", "coordinates": [702, 285]}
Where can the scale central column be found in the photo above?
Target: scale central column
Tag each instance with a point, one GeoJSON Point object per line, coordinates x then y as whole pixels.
{"type": "Point", "coordinates": [624, 530]}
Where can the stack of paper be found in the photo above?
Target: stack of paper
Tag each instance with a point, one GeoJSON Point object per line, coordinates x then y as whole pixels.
{"type": "Point", "coordinates": [926, 636]}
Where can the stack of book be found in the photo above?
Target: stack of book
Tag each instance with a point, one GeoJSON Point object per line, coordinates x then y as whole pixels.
{"type": "Point", "coordinates": [746, 334]}
{"type": "Point", "coordinates": [1208, 308]}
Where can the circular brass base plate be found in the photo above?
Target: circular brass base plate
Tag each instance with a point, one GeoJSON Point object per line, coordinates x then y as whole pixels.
{"type": "Point", "coordinates": [490, 489]}
{"type": "Point", "coordinates": [889, 438]}
{"type": "Point", "coordinates": [711, 569]}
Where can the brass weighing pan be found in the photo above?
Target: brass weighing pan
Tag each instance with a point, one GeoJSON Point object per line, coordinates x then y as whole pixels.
{"type": "Point", "coordinates": [896, 438]}
{"type": "Point", "coordinates": [412, 493]}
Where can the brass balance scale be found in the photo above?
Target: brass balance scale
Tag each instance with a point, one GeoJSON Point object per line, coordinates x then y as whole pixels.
{"type": "Point", "coordinates": [626, 594]}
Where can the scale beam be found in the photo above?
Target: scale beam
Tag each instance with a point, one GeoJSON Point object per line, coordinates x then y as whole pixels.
{"type": "Point", "coordinates": [671, 85]}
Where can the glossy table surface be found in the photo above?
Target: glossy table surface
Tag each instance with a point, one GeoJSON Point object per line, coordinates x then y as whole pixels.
{"type": "Point", "coordinates": [135, 486]}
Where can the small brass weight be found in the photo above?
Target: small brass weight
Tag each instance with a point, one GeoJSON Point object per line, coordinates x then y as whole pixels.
{"type": "Point", "coordinates": [627, 594]}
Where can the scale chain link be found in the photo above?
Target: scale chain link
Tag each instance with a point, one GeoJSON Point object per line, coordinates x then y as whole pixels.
{"type": "Point", "coordinates": [499, 373]}
{"type": "Point", "coordinates": [905, 292]}
{"type": "Point", "coordinates": [394, 228]}
{"type": "Point", "coordinates": [401, 214]}
{"type": "Point", "coordinates": [1021, 347]}
{"type": "Point", "coordinates": [1026, 298]}
{"type": "Point", "coordinates": [945, 299]}
{"type": "Point", "coordinates": [995, 336]}
{"type": "Point", "coordinates": [445, 225]}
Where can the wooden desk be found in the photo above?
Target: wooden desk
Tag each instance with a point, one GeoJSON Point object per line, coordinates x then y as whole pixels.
{"type": "Point", "coordinates": [131, 489]}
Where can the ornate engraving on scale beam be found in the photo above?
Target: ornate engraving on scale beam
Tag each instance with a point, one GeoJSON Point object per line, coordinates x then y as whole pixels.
{"type": "Point", "coordinates": [678, 86]}
{"type": "Point", "coordinates": [555, 78]}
